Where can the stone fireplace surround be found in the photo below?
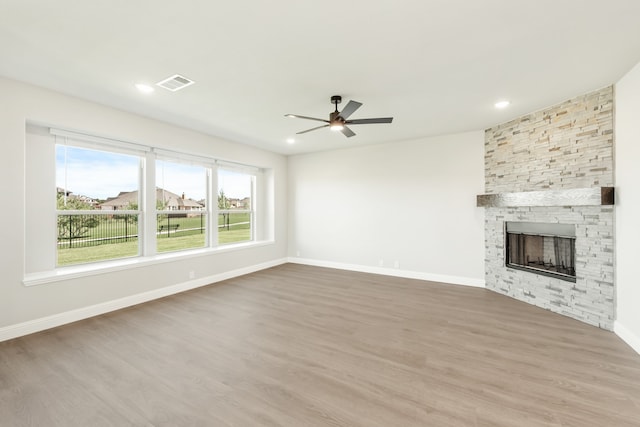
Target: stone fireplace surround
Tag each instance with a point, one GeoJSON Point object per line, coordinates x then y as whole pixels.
{"type": "Point", "coordinates": [568, 146]}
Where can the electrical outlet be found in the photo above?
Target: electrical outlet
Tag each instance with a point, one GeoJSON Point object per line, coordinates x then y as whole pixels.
{"type": "Point", "coordinates": [297, 253]}
{"type": "Point", "coordinates": [192, 274]}
{"type": "Point", "coordinates": [381, 262]}
{"type": "Point", "coordinates": [396, 264]}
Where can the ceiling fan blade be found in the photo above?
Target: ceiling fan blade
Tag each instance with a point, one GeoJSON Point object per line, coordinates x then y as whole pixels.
{"type": "Point", "coordinates": [309, 130]}
{"type": "Point", "coordinates": [369, 121]}
{"type": "Point", "coordinates": [295, 116]}
{"type": "Point", "coordinates": [349, 109]}
{"type": "Point", "coordinates": [347, 132]}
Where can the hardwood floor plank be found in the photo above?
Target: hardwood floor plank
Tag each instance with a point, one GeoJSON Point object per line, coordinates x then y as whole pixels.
{"type": "Point", "coordinates": [307, 346]}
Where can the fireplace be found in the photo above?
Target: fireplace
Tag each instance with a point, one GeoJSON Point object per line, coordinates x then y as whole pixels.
{"type": "Point", "coordinates": [554, 166]}
{"type": "Point", "coordinates": [541, 248]}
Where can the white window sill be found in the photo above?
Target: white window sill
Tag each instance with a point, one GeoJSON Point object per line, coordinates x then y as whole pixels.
{"type": "Point", "coordinates": [85, 270]}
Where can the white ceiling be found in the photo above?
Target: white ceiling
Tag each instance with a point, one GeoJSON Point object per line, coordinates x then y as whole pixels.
{"type": "Point", "coordinates": [436, 66]}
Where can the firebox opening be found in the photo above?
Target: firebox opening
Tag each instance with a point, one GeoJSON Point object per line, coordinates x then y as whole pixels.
{"type": "Point", "coordinates": [547, 249]}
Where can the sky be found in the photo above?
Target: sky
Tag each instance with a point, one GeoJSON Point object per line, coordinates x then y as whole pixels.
{"type": "Point", "coordinates": [99, 175]}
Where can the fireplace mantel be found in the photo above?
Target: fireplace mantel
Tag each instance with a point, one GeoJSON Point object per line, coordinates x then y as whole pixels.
{"type": "Point", "coordinates": [596, 196]}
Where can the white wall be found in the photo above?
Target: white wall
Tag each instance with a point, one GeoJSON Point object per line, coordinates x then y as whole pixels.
{"type": "Point", "coordinates": [412, 202]}
{"type": "Point", "coordinates": [20, 103]}
{"type": "Point", "coordinates": [627, 166]}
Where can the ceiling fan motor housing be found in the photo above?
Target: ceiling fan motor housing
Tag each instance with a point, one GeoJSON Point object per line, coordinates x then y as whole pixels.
{"type": "Point", "coordinates": [335, 117]}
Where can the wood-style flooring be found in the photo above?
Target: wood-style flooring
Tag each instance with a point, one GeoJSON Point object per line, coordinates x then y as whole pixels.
{"type": "Point", "coordinates": [306, 346]}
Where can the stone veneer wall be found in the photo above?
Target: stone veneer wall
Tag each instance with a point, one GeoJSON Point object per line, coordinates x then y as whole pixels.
{"type": "Point", "coordinates": [569, 145]}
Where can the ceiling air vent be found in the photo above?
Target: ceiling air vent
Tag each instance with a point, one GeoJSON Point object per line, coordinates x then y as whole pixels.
{"type": "Point", "coordinates": [175, 82]}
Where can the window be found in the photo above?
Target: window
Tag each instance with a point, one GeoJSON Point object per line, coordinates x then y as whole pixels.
{"type": "Point", "coordinates": [235, 206]}
{"type": "Point", "coordinates": [91, 186]}
{"type": "Point", "coordinates": [181, 200]}
{"type": "Point", "coordinates": [92, 199]}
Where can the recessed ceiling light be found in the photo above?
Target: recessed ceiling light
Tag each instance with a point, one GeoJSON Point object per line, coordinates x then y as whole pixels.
{"type": "Point", "coordinates": [501, 104]}
{"type": "Point", "coordinates": [144, 88]}
{"type": "Point", "coordinates": [290, 140]}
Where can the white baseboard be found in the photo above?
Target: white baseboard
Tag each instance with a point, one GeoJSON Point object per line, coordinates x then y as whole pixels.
{"type": "Point", "coordinates": [455, 280]}
{"type": "Point", "coordinates": [37, 325]}
{"type": "Point", "coordinates": [627, 336]}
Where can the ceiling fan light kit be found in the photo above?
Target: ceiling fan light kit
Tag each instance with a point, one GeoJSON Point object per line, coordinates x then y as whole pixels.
{"type": "Point", "coordinates": [338, 119]}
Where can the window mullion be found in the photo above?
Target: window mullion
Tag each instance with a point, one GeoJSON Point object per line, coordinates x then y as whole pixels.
{"type": "Point", "coordinates": [252, 209]}
{"type": "Point", "coordinates": [212, 206]}
{"type": "Point", "coordinates": [148, 203]}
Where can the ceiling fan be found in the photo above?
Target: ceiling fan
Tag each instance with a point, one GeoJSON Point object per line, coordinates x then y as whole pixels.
{"type": "Point", "coordinates": [338, 119]}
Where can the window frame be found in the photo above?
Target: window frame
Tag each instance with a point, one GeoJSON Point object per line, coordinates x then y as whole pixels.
{"type": "Point", "coordinates": [207, 165]}
{"type": "Point", "coordinates": [252, 196]}
{"type": "Point", "coordinates": [94, 143]}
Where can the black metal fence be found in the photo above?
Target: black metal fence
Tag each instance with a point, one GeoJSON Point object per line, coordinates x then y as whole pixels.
{"type": "Point", "coordinates": [83, 230]}
{"type": "Point", "coordinates": [79, 230]}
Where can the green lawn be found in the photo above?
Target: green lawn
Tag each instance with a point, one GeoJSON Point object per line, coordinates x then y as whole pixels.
{"type": "Point", "coordinates": [188, 235]}
{"type": "Point", "coordinates": [179, 242]}
{"type": "Point", "coordinates": [69, 256]}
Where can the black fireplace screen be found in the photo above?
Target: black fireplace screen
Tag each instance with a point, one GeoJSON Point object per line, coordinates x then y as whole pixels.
{"type": "Point", "coordinates": [539, 250]}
